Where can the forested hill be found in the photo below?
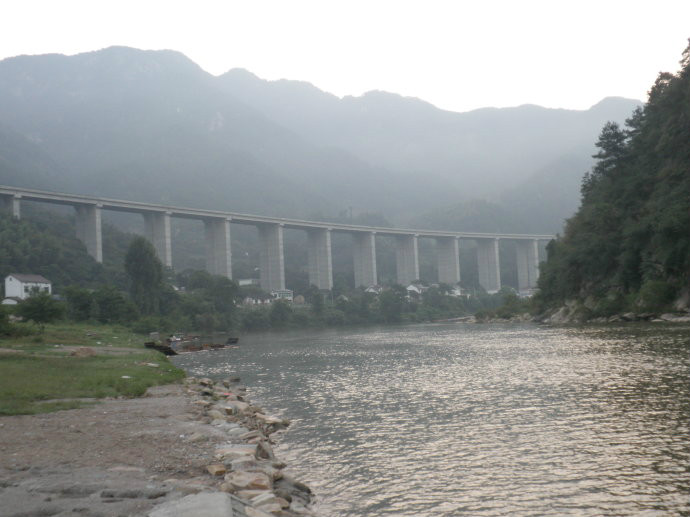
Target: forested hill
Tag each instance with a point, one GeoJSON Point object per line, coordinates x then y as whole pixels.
{"type": "Point", "coordinates": [628, 246]}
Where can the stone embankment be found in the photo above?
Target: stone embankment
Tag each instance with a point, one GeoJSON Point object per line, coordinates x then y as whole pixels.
{"type": "Point", "coordinates": [246, 465]}
{"type": "Point", "coordinates": [196, 449]}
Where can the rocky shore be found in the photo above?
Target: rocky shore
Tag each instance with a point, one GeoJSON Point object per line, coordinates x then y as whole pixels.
{"type": "Point", "coordinates": [574, 313]}
{"type": "Point", "coordinates": [568, 314]}
{"type": "Point", "coordinates": [198, 449]}
{"type": "Point", "coordinates": [246, 464]}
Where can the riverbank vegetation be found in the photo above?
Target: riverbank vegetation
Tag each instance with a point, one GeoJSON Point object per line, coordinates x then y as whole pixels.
{"type": "Point", "coordinates": [69, 365]}
{"type": "Point", "coordinates": [628, 246]}
{"type": "Point", "coordinates": [139, 292]}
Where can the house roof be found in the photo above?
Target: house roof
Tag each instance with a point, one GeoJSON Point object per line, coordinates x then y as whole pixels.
{"type": "Point", "coordinates": [30, 278]}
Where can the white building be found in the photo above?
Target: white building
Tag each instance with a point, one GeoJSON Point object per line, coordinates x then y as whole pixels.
{"type": "Point", "coordinates": [242, 282]}
{"type": "Point", "coordinates": [282, 294]}
{"type": "Point", "coordinates": [20, 287]}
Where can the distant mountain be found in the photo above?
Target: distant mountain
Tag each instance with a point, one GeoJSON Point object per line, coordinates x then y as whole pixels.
{"type": "Point", "coordinates": [152, 125]}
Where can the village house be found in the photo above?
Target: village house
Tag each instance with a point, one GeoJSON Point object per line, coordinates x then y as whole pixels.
{"type": "Point", "coordinates": [282, 294]}
{"type": "Point", "coordinates": [20, 286]}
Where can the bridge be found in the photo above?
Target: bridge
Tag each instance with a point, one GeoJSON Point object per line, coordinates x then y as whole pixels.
{"type": "Point", "coordinates": [217, 227]}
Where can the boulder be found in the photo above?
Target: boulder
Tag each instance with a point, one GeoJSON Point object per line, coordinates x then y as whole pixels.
{"type": "Point", "coordinates": [206, 382]}
{"type": "Point", "coordinates": [263, 498]}
{"type": "Point", "coordinates": [283, 494]}
{"type": "Point", "coordinates": [216, 469]}
{"type": "Point", "coordinates": [237, 432]}
{"type": "Point", "coordinates": [253, 434]}
{"type": "Point", "coordinates": [197, 437]}
{"type": "Point", "coordinates": [271, 420]}
{"type": "Point", "coordinates": [284, 503]}
{"type": "Point", "coordinates": [299, 508]}
{"type": "Point", "coordinates": [250, 494]}
{"type": "Point", "coordinates": [248, 463]}
{"type": "Point", "coordinates": [271, 508]}
{"type": "Point", "coordinates": [560, 316]}
{"type": "Point", "coordinates": [291, 483]}
{"type": "Point", "coordinates": [264, 450]}
{"type": "Point", "coordinates": [249, 480]}
{"type": "Point", "coordinates": [234, 407]}
{"type": "Point", "coordinates": [216, 415]}
{"type": "Point", "coordinates": [205, 504]}
{"type": "Point", "coordinates": [256, 512]}
{"type": "Point", "coordinates": [674, 317]}
{"type": "Point", "coordinates": [234, 451]}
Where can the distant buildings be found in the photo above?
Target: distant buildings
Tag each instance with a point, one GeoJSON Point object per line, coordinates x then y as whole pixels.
{"type": "Point", "coordinates": [243, 282]}
{"type": "Point", "coordinates": [20, 286]}
{"type": "Point", "coordinates": [282, 294]}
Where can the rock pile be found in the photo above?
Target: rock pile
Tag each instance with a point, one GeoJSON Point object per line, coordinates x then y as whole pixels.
{"type": "Point", "coordinates": [246, 465]}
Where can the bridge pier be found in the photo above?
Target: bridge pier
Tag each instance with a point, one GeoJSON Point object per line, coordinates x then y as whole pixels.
{"type": "Point", "coordinates": [157, 231]}
{"type": "Point", "coordinates": [365, 259]}
{"type": "Point", "coordinates": [527, 264]}
{"type": "Point", "coordinates": [218, 249]}
{"type": "Point", "coordinates": [11, 204]}
{"type": "Point", "coordinates": [406, 259]}
{"type": "Point", "coordinates": [489, 265]}
{"type": "Point", "coordinates": [88, 223]}
{"type": "Point", "coordinates": [271, 259]}
{"type": "Point", "coordinates": [448, 260]}
{"type": "Point", "coordinates": [319, 258]}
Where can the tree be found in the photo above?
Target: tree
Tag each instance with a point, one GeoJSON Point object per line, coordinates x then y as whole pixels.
{"type": "Point", "coordinates": [41, 308]}
{"type": "Point", "coordinates": [317, 304]}
{"type": "Point", "coordinates": [279, 314]}
{"type": "Point", "coordinates": [112, 306]}
{"type": "Point", "coordinates": [390, 305]}
{"type": "Point", "coordinates": [80, 303]}
{"type": "Point", "coordinates": [5, 325]}
{"type": "Point", "coordinates": [628, 246]}
{"type": "Point", "coordinates": [224, 292]}
{"type": "Point", "coordinates": [145, 273]}
{"type": "Point", "coordinates": [611, 146]}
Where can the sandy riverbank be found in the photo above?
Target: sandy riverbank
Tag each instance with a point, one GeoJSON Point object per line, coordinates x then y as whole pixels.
{"type": "Point", "coordinates": [136, 456]}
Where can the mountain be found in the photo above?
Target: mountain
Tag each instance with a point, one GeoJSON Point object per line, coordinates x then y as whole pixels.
{"type": "Point", "coordinates": [153, 126]}
{"type": "Point", "coordinates": [481, 153]}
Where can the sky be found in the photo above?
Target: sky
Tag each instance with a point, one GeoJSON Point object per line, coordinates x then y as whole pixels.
{"type": "Point", "coordinates": [458, 55]}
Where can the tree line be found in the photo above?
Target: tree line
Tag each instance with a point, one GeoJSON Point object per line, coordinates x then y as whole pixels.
{"type": "Point", "coordinates": [145, 295]}
{"type": "Point", "coordinates": [628, 246]}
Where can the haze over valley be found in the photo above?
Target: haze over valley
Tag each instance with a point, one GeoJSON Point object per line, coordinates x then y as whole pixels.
{"type": "Point", "coordinates": [153, 126]}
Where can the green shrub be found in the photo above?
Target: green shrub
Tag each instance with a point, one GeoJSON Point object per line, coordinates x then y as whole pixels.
{"type": "Point", "coordinates": [146, 324]}
{"type": "Point", "coordinates": [655, 296]}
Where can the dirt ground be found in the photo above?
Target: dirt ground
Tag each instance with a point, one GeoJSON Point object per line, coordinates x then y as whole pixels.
{"type": "Point", "coordinates": [117, 458]}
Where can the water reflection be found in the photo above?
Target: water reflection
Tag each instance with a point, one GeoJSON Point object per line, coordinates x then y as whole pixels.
{"type": "Point", "coordinates": [460, 419]}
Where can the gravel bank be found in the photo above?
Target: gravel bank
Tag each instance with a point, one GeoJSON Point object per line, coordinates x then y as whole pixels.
{"type": "Point", "coordinates": [137, 456]}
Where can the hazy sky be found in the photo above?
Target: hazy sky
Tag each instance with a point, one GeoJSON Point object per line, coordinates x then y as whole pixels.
{"type": "Point", "coordinates": [459, 55]}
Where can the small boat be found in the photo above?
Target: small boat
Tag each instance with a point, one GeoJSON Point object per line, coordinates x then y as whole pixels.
{"type": "Point", "coordinates": [159, 347]}
{"type": "Point", "coordinates": [232, 340]}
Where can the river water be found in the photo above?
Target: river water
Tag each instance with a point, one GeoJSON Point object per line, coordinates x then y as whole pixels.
{"type": "Point", "coordinates": [477, 420]}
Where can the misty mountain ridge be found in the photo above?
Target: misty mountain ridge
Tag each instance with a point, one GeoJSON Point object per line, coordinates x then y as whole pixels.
{"type": "Point", "coordinates": [153, 126]}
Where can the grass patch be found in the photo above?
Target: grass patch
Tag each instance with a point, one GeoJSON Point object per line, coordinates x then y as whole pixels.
{"type": "Point", "coordinates": [77, 334]}
{"type": "Point", "coordinates": [41, 372]}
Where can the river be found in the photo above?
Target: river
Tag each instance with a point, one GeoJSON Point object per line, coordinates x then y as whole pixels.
{"type": "Point", "coordinates": [477, 420]}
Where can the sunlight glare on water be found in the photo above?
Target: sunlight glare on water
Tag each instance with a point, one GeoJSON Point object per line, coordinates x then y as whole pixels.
{"type": "Point", "coordinates": [463, 419]}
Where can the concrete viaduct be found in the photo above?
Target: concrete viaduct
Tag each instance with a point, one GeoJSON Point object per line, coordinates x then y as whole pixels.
{"type": "Point", "coordinates": [217, 227]}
